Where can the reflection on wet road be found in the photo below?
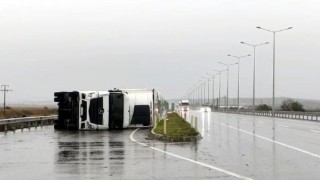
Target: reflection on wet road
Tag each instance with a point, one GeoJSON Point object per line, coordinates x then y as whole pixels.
{"type": "Point", "coordinates": [232, 145]}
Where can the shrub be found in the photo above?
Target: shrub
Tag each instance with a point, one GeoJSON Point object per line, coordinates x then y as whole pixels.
{"type": "Point", "coordinates": [263, 107]}
{"type": "Point", "coordinates": [291, 105]}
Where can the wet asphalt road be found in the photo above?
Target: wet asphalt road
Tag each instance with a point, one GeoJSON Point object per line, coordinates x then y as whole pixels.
{"type": "Point", "coordinates": [225, 152]}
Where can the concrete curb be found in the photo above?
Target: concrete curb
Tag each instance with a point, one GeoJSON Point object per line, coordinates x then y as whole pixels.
{"type": "Point", "coordinates": [161, 137]}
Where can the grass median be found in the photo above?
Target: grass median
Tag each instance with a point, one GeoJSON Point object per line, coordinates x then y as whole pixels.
{"type": "Point", "coordinates": [176, 127]}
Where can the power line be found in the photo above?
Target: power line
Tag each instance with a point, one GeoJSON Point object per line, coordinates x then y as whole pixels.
{"type": "Point", "coordinates": [4, 90]}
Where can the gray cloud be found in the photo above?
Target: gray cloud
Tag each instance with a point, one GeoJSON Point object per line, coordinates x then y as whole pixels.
{"type": "Point", "coordinates": [49, 46]}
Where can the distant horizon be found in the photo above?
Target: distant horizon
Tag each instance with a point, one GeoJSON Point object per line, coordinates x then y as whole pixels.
{"type": "Point", "coordinates": [308, 103]}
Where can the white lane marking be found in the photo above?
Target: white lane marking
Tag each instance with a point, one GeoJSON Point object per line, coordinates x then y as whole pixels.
{"type": "Point", "coordinates": [314, 131]}
{"type": "Point", "coordinates": [276, 142]}
{"type": "Point", "coordinates": [283, 126]}
{"type": "Point", "coordinates": [187, 159]}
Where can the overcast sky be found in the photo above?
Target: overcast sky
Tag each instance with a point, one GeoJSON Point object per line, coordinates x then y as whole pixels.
{"type": "Point", "coordinates": [65, 45]}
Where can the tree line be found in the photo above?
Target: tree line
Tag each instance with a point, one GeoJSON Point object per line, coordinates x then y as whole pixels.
{"type": "Point", "coordinates": [286, 105]}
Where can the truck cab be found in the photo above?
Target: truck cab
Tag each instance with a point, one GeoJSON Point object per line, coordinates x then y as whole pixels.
{"type": "Point", "coordinates": [92, 110]}
{"type": "Point", "coordinates": [184, 105]}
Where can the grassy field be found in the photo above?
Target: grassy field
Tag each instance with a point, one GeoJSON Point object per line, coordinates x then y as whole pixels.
{"type": "Point", "coordinates": [14, 112]}
{"type": "Point", "coordinates": [176, 127]}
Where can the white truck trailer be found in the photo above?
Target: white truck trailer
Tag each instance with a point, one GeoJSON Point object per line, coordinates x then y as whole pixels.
{"type": "Point", "coordinates": [113, 109]}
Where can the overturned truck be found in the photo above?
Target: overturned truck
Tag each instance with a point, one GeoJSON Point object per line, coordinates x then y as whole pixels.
{"type": "Point", "coordinates": [113, 109]}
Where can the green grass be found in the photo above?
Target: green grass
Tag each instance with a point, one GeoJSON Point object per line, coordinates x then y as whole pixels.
{"type": "Point", "coordinates": [176, 127]}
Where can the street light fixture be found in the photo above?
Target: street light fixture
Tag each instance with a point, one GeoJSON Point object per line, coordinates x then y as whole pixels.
{"type": "Point", "coordinates": [219, 85]}
{"type": "Point", "coordinates": [274, 61]}
{"type": "Point", "coordinates": [238, 57]}
{"type": "Point", "coordinates": [228, 65]}
{"type": "Point", "coordinates": [254, 72]}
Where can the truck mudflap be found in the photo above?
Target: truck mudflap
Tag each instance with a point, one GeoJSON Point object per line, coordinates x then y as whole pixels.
{"type": "Point", "coordinates": [68, 111]}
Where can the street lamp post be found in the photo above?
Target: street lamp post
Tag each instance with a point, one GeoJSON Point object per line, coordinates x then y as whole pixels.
{"type": "Point", "coordinates": [274, 61]}
{"type": "Point", "coordinates": [191, 95]}
{"type": "Point", "coordinates": [254, 72]}
{"type": "Point", "coordinates": [200, 85]}
{"type": "Point", "coordinates": [203, 91]}
{"type": "Point", "coordinates": [219, 85]}
{"type": "Point", "coordinates": [208, 90]}
{"type": "Point", "coordinates": [228, 65]}
{"type": "Point", "coordinates": [198, 93]}
{"type": "Point", "coordinates": [238, 57]}
{"type": "Point", "coordinates": [212, 90]}
{"type": "Point", "coordinates": [194, 94]}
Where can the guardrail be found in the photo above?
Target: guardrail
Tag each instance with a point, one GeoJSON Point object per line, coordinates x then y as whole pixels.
{"type": "Point", "coordinates": [312, 116]}
{"type": "Point", "coordinates": [26, 122]}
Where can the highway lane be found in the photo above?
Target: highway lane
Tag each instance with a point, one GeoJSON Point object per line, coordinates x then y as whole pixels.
{"type": "Point", "coordinates": [49, 154]}
{"type": "Point", "coordinates": [300, 134]}
{"type": "Point", "coordinates": [223, 153]}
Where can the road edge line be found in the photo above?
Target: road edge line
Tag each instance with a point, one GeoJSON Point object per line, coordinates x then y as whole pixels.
{"type": "Point", "coordinates": [190, 160]}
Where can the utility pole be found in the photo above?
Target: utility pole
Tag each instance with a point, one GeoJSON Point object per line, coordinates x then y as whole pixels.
{"type": "Point", "coordinates": [4, 90]}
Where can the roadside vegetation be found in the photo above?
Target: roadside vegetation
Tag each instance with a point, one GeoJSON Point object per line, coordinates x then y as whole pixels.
{"type": "Point", "coordinates": [15, 112]}
{"type": "Point", "coordinates": [291, 105]}
{"type": "Point", "coordinates": [176, 127]}
{"type": "Point", "coordinates": [286, 105]}
{"type": "Point", "coordinates": [263, 107]}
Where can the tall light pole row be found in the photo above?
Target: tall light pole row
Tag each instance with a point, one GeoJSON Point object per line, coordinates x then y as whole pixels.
{"type": "Point", "coordinates": [200, 86]}
{"type": "Point", "coordinates": [254, 72]}
{"type": "Point", "coordinates": [238, 57]}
